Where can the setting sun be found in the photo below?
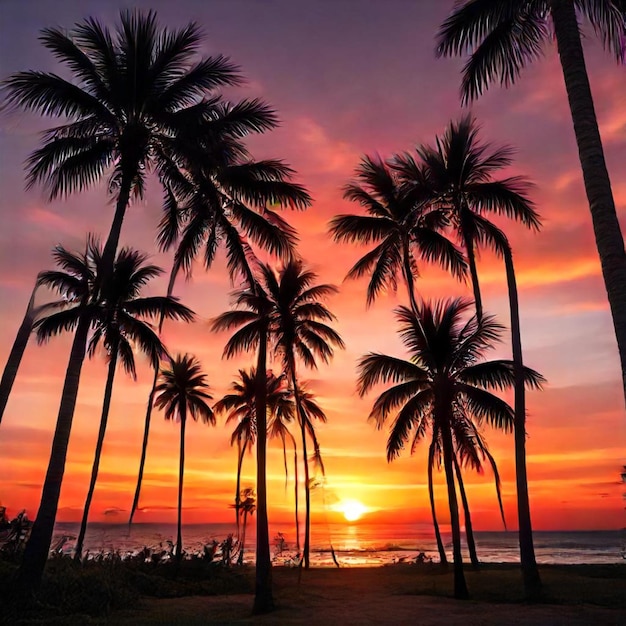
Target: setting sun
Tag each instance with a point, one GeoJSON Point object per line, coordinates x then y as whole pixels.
{"type": "Point", "coordinates": [352, 509]}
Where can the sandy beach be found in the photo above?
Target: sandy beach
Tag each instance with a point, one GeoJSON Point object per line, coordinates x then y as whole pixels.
{"type": "Point", "coordinates": [404, 595]}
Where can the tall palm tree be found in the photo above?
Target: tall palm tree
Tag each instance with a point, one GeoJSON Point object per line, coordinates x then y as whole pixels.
{"type": "Point", "coordinates": [240, 406]}
{"type": "Point", "coordinates": [119, 326]}
{"type": "Point", "coordinates": [78, 278]}
{"type": "Point", "coordinates": [444, 383]}
{"type": "Point", "coordinates": [221, 202]}
{"type": "Point", "coordinates": [298, 330]}
{"type": "Point", "coordinates": [461, 170]}
{"type": "Point", "coordinates": [253, 324]}
{"type": "Point", "coordinates": [183, 392]}
{"type": "Point", "coordinates": [502, 38]}
{"type": "Point", "coordinates": [401, 223]}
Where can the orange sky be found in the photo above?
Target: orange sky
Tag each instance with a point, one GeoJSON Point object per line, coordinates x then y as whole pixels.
{"type": "Point", "coordinates": [344, 84]}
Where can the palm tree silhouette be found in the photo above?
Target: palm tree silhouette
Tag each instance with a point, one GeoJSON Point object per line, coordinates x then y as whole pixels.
{"type": "Point", "coordinates": [461, 175]}
{"type": "Point", "coordinates": [401, 222]}
{"type": "Point", "coordinates": [298, 329]}
{"type": "Point", "coordinates": [240, 406]}
{"type": "Point", "coordinates": [183, 392]}
{"type": "Point", "coordinates": [79, 275]}
{"type": "Point", "coordinates": [222, 202]}
{"type": "Point", "coordinates": [246, 505]}
{"type": "Point", "coordinates": [503, 37]}
{"type": "Point", "coordinates": [119, 326]}
{"type": "Point", "coordinates": [253, 323]}
{"type": "Point", "coordinates": [443, 385]}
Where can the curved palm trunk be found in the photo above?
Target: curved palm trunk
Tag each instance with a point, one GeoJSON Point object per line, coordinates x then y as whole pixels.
{"type": "Point", "coordinates": [471, 260]}
{"type": "Point", "coordinates": [263, 598]}
{"type": "Point", "coordinates": [17, 352]}
{"type": "Point", "coordinates": [38, 545]}
{"type": "Point", "coordinates": [443, 559]}
{"type": "Point", "coordinates": [295, 477]}
{"type": "Point", "coordinates": [110, 247]}
{"type": "Point", "coordinates": [181, 472]}
{"type": "Point", "coordinates": [148, 418]}
{"type": "Point", "coordinates": [469, 531]}
{"type": "Point", "coordinates": [408, 276]}
{"type": "Point", "coordinates": [460, 587]}
{"type": "Point", "coordinates": [242, 451]}
{"type": "Point", "coordinates": [532, 581]}
{"type": "Point", "coordinates": [307, 487]}
{"type": "Point", "coordinates": [242, 544]}
{"type": "Point", "coordinates": [108, 391]}
{"type": "Point", "coordinates": [609, 239]}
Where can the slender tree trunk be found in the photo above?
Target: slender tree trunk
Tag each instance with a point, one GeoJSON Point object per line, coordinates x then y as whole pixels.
{"type": "Point", "coordinates": [408, 276]}
{"type": "Point", "coordinates": [443, 559]}
{"type": "Point", "coordinates": [242, 546]}
{"type": "Point", "coordinates": [295, 477]}
{"type": "Point", "coordinates": [242, 451]}
{"type": "Point", "coordinates": [108, 392]}
{"type": "Point", "coordinates": [144, 447]}
{"type": "Point", "coordinates": [469, 531]}
{"type": "Point", "coordinates": [110, 247]}
{"type": "Point", "coordinates": [148, 418]}
{"type": "Point", "coordinates": [471, 259]}
{"type": "Point", "coordinates": [606, 227]}
{"type": "Point", "coordinates": [181, 472]}
{"type": "Point", "coordinates": [17, 351]}
{"type": "Point", "coordinates": [305, 460]}
{"type": "Point", "coordinates": [460, 587]}
{"type": "Point", "coordinates": [532, 581]}
{"type": "Point", "coordinates": [38, 545]}
{"type": "Point", "coordinates": [263, 597]}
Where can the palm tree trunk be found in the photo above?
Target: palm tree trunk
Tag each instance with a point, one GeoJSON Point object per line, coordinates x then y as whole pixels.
{"type": "Point", "coordinates": [241, 451]}
{"type": "Point", "coordinates": [532, 581]}
{"type": "Point", "coordinates": [469, 531]}
{"type": "Point", "coordinates": [144, 446]}
{"type": "Point", "coordinates": [606, 227]}
{"type": "Point", "coordinates": [295, 477]}
{"type": "Point", "coordinates": [242, 544]}
{"type": "Point", "coordinates": [460, 587]}
{"type": "Point", "coordinates": [443, 559]}
{"type": "Point", "coordinates": [263, 597]}
{"type": "Point", "coordinates": [181, 472]}
{"type": "Point", "coordinates": [307, 487]}
{"type": "Point", "coordinates": [148, 418]}
{"type": "Point", "coordinates": [110, 247]}
{"type": "Point", "coordinates": [408, 276]}
{"type": "Point", "coordinates": [108, 391]}
{"type": "Point", "coordinates": [471, 259]}
{"type": "Point", "coordinates": [38, 545]}
{"type": "Point", "coordinates": [17, 351]}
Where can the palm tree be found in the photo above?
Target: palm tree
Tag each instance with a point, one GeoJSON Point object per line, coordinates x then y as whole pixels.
{"type": "Point", "coordinates": [253, 323]}
{"type": "Point", "coordinates": [503, 37]}
{"type": "Point", "coordinates": [298, 329]}
{"type": "Point", "coordinates": [133, 93]}
{"type": "Point", "coordinates": [118, 325]}
{"type": "Point", "coordinates": [399, 219]}
{"type": "Point", "coordinates": [183, 392]}
{"type": "Point", "coordinates": [240, 406]}
{"type": "Point", "coordinates": [461, 175]}
{"type": "Point", "coordinates": [442, 385]}
{"type": "Point", "coordinates": [222, 202]}
{"type": "Point", "coordinates": [78, 277]}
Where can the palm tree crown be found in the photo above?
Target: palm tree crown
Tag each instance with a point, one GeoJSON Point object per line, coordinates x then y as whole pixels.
{"type": "Point", "coordinates": [399, 219]}
{"type": "Point", "coordinates": [503, 37]}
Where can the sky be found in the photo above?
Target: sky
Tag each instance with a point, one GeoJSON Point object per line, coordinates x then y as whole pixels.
{"type": "Point", "coordinates": [347, 78]}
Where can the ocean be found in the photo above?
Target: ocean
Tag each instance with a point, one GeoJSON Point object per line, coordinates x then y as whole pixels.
{"type": "Point", "coordinates": [358, 544]}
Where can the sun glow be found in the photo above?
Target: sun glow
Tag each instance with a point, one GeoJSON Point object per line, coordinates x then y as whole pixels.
{"type": "Point", "coordinates": [352, 509]}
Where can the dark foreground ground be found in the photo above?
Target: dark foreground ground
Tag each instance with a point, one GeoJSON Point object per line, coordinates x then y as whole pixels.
{"type": "Point", "coordinates": [401, 594]}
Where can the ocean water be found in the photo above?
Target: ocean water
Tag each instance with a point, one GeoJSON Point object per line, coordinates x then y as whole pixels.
{"type": "Point", "coordinates": [355, 544]}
